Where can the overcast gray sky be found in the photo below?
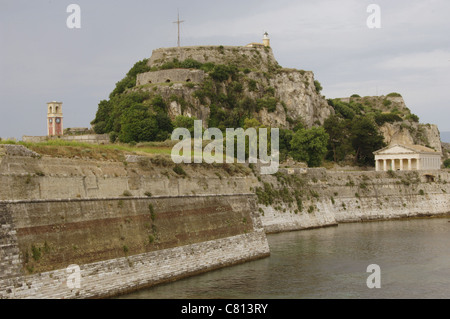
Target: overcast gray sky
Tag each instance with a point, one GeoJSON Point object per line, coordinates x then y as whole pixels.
{"type": "Point", "coordinates": [42, 60]}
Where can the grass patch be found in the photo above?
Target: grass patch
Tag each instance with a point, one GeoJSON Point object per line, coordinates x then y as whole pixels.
{"type": "Point", "coordinates": [115, 152]}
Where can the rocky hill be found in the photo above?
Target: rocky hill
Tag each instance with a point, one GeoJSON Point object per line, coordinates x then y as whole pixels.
{"type": "Point", "coordinates": [282, 97]}
{"type": "Point", "coordinates": [395, 120]}
{"type": "Point", "coordinates": [224, 86]}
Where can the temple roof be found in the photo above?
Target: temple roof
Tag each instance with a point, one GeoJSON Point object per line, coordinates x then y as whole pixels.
{"type": "Point", "coordinates": [414, 148]}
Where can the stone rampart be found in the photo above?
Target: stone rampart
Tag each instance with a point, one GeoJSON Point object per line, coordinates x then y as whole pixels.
{"type": "Point", "coordinates": [122, 244]}
{"type": "Point", "coordinates": [171, 76]}
{"type": "Point", "coordinates": [133, 224]}
{"type": "Point", "coordinates": [330, 198]}
{"type": "Point", "coordinates": [89, 138]}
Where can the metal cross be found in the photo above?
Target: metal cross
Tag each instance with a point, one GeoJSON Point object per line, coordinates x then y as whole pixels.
{"type": "Point", "coordinates": [179, 22]}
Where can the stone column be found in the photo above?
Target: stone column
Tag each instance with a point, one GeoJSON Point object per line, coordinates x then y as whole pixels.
{"type": "Point", "coordinates": [401, 164]}
{"type": "Point", "coordinates": [377, 165]}
{"type": "Point", "coordinates": [384, 165]}
{"type": "Point", "coordinates": [409, 164]}
{"type": "Point", "coordinates": [393, 164]}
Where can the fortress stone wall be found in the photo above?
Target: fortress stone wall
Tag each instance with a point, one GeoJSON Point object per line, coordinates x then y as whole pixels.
{"type": "Point", "coordinates": [253, 58]}
{"type": "Point", "coordinates": [171, 76]}
{"type": "Point", "coordinates": [121, 245]}
{"type": "Point", "coordinates": [352, 196]}
{"type": "Point", "coordinates": [89, 138]}
{"type": "Point", "coordinates": [135, 224]}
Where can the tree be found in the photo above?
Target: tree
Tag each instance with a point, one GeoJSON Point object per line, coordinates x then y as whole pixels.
{"type": "Point", "coordinates": [310, 145]}
{"type": "Point", "coordinates": [339, 145]}
{"type": "Point", "coordinates": [285, 143]}
{"type": "Point", "coordinates": [186, 122]}
{"type": "Point", "coordinates": [137, 125]}
{"type": "Point", "coordinates": [365, 139]}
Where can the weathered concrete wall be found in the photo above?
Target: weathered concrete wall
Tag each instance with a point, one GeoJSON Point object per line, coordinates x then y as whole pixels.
{"type": "Point", "coordinates": [123, 244]}
{"type": "Point", "coordinates": [171, 76]}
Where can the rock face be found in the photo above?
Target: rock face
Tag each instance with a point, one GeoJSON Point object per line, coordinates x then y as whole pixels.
{"type": "Point", "coordinates": [295, 90]}
{"type": "Point", "coordinates": [412, 133]}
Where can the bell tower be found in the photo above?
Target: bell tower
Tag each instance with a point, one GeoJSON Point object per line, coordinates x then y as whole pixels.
{"type": "Point", "coordinates": [54, 119]}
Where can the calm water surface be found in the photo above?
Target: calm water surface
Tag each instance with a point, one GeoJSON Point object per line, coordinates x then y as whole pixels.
{"type": "Point", "coordinates": [414, 256]}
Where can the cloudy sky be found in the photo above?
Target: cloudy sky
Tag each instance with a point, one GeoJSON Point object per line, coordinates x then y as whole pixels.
{"type": "Point", "coordinates": [42, 60]}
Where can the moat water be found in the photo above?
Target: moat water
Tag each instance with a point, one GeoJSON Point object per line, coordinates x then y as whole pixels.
{"type": "Point", "coordinates": [413, 255]}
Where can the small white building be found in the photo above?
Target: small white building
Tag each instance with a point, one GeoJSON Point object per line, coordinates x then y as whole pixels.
{"type": "Point", "coordinates": [407, 158]}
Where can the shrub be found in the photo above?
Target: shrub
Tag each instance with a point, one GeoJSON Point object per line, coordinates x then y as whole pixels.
{"type": "Point", "coordinates": [394, 94]}
{"type": "Point", "coordinates": [179, 170]}
{"type": "Point", "coordinates": [127, 193]}
{"type": "Point", "coordinates": [270, 104]}
{"type": "Point", "coordinates": [36, 252]}
{"type": "Point", "coordinates": [318, 86]}
{"type": "Point", "coordinates": [382, 118]}
{"type": "Point", "coordinates": [421, 192]}
{"type": "Point", "coordinates": [447, 163]}
{"type": "Point", "coordinates": [391, 174]}
{"type": "Point", "coordinates": [223, 72]}
{"type": "Point", "coordinates": [413, 118]}
{"type": "Point", "coordinates": [152, 212]}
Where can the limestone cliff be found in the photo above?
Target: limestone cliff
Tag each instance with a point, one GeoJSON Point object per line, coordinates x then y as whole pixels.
{"type": "Point", "coordinates": [296, 97]}
{"type": "Point", "coordinates": [412, 133]}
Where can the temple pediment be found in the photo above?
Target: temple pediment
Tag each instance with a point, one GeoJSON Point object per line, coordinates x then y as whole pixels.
{"type": "Point", "coordinates": [405, 149]}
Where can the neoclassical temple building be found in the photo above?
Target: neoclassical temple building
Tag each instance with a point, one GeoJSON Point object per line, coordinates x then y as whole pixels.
{"type": "Point", "coordinates": [407, 158]}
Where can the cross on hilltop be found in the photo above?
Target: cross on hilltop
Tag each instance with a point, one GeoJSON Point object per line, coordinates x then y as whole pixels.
{"type": "Point", "coordinates": [179, 22]}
